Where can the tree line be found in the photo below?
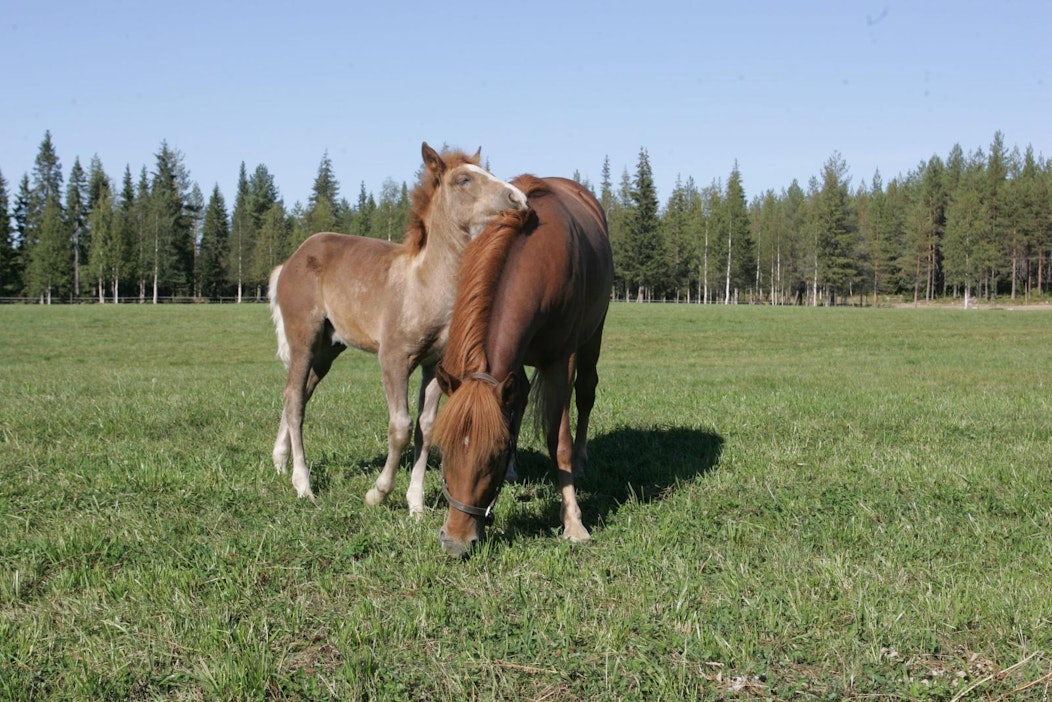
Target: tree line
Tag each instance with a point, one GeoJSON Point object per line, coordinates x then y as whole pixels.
{"type": "Point", "coordinates": [964, 226]}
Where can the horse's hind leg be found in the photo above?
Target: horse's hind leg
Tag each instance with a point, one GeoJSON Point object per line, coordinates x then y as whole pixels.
{"type": "Point", "coordinates": [427, 410]}
{"type": "Point", "coordinates": [584, 391]}
{"type": "Point", "coordinates": [557, 380]}
{"type": "Point", "coordinates": [396, 381]}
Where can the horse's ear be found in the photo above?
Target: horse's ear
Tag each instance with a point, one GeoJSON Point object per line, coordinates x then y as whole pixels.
{"type": "Point", "coordinates": [432, 160]}
{"type": "Point", "coordinates": [509, 389]}
{"type": "Point", "coordinates": [448, 383]}
{"type": "Point", "coordinates": [477, 158]}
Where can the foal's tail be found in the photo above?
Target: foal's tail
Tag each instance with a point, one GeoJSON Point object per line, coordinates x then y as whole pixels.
{"type": "Point", "coordinates": [275, 314]}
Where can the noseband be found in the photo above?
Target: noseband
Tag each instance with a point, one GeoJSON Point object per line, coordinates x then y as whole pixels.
{"type": "Point", "coordinates": [484, 513]}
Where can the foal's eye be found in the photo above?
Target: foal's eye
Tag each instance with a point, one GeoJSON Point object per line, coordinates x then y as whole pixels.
{"type": "Point", "coordinates": [463, 180]}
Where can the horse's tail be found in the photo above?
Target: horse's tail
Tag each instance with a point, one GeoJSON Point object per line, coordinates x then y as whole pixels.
{"type": "Point", "coordinates": [538, 409]}
{"type": "Point", "coordinates": [275, 314]}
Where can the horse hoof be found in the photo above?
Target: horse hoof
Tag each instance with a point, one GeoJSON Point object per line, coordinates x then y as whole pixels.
{"type": "Point", "coordinates": [576, 534]}
{"type": "Point", "coordinates": [374, 497]}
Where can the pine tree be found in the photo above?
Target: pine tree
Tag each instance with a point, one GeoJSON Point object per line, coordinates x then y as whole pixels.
{"type": "Point", "coordinates": [965, 219]}
{"type": "Point", "coordinates": [170, 226]}
{"type": "Point", "coordinates": [392, 212]}
{"type": "Point", "coordinates": [682, 228]}
{"type": "Point", "coordinates": [615, 206]}
{"type": "Point", "coordinates": [836, 249]}
{"type": "Point", "coordinates": [263, 195]}
{"type": "Point", "coordinates": [740, 251]}
{"type": "Point", "coordinates": [47, 177]}
{"type": "Point", "coordinates": [106, 254]}
{"type": "Point", "coordinates": [78, 208]}
{"type": "Point", "coordinates": [242, 227]}
{"type": "Point", "coordinates": [793, 256]}
{"type": "Point", "coordinates": [195, 212]}
{"type": "Point", "coordinates": [644, 246]}
{"type": "Point", "coordinates": [48, 273]}
{"type": "Point", "coordinates": [362, 222]}
{"type": "Point", "coordinates": [140, 219]}
{"type": "Point", "coordinates": [997, 202]}
{"type": "Point", "coordinates": [41, 220]}
{"type": "Point", "coordinates": [215, 235]}
{"type": "Point", "coordinates": [322, 212]}
{"type": "Point", "coordinates": [10, 280]}
{"type": "Point", "coordinates": [766, 215]}
{"type": "Point", "coordinates": [272, 245]}
{"type": "Point", "coordinates": [874, 232]}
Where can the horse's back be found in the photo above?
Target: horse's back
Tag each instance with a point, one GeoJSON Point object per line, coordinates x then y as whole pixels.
{"type": "Point", "coordinates": [562, 270]}
{"type": "Point", "coordinates": [566, 210]}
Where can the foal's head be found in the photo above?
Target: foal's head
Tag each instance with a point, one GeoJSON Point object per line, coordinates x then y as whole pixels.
{"type": "Point", "coordinates": [457, 195]}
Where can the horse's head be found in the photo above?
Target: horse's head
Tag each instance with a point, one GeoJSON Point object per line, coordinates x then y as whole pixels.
{"type": "Point", "coordinates": [466, 196]}
{"type": "Point", "coordinates": [474, 434]}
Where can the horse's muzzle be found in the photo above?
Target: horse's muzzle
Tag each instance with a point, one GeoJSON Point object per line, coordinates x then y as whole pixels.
{"type": "Point", "coordinates": [459, 549]}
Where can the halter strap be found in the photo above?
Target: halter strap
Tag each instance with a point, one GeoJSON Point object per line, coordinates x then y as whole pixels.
{"type": "Point", "coordinates": [485, 377]}
{"type": "Point", "coordinates": [486, 513]}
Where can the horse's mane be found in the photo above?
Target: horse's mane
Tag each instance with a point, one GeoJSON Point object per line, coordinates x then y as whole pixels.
{"type": "Point", "coordinates": [480, 269]}
{"type": "Point", "coordinates": [422, 194]}
{"type": "Point", "coordinates": [472, 422]}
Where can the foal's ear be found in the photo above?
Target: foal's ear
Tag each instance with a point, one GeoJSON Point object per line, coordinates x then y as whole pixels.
{"type": "Point", "coordinates": [432, 160]}
{"type": "Point", "coordinates": [477, 158]}
{"type": "Point", "coordinates": [448, 383]}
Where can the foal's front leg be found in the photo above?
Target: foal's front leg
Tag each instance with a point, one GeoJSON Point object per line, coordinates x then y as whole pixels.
{"type": "Point", "coordinates": [396, 381]}
{"type": "Point", "coordinates": [427, 410]}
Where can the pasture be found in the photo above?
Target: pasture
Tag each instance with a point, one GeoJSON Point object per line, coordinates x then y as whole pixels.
{"type": "Point", "coordinates": [785, 503]}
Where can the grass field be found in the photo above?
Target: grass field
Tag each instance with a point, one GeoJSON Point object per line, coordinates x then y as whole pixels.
{"type": "Point", "coordinates": [785, 503]}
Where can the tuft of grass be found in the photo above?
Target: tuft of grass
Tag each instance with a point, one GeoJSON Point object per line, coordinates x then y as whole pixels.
{"type": "Point", "coordinates": [826, 503]}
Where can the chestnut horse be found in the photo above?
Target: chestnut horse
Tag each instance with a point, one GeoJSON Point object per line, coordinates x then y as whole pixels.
{"type": "Point", "coordinates": [534, 290]}
{"type": "Point", "coordinates": [394, 300]}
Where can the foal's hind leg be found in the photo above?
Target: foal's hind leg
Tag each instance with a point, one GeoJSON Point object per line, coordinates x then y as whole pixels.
{"type": "Point", "coordinates": [427, 410]}
{"type": "Point", "coordinates": [305, 372]}
{"type": "Point", "coordinates": [291, 429]}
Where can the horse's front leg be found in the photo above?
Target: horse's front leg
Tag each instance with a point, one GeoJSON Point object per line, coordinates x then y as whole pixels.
{"type": "Point", "coordinates": [427, 410]}
{"type": "Point", "coordinates": [396, 381]}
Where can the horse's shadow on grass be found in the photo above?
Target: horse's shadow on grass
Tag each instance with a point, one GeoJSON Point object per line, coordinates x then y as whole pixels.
{"type": "Point", "coordinates": [644, 465]}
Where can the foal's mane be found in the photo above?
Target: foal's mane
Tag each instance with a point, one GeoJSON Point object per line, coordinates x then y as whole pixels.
{"type": "Point", "coordinates": [422, 195]}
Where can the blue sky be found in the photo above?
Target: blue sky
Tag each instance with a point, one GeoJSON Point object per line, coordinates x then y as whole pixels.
{"type": "Point", "coordinates": [543, 87]}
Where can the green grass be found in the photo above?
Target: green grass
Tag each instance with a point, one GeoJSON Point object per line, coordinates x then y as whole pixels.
{"type": "Point", "coordinates": [813, 503]}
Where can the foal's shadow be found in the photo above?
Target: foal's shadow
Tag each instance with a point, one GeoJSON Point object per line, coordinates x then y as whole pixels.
{"type": "Point", "coordinates": [641, 464]}
{"type": "Point", "coordinates": [332, 466]}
